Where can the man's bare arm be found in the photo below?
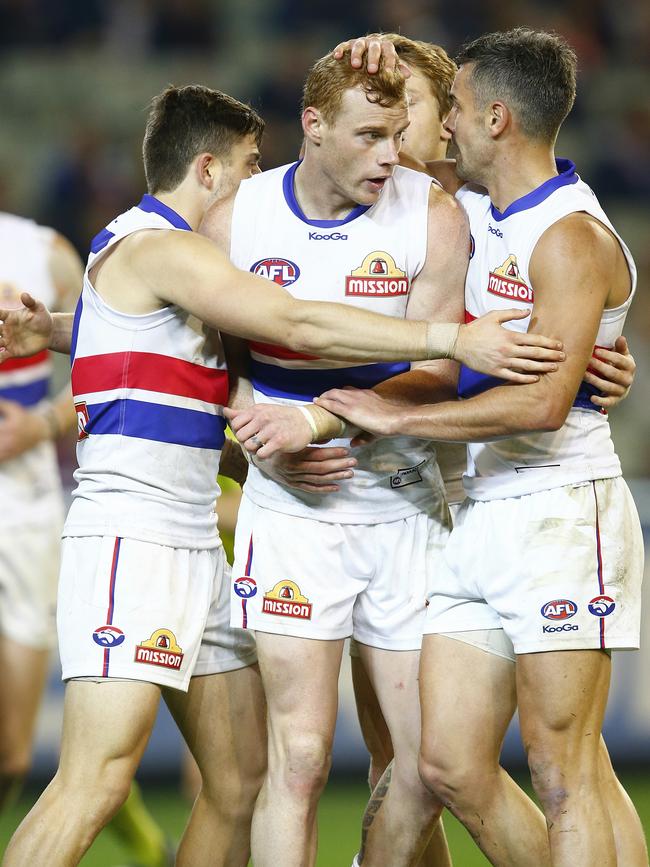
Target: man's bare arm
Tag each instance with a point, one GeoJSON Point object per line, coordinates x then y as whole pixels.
{"type": "Point", "coordinates": [543, 406]}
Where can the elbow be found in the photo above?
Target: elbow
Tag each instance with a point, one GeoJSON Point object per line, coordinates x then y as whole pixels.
{"type": "Point", "coordinates": [547, 418]}
{"type": "Point", "coordinates": [301, 335]}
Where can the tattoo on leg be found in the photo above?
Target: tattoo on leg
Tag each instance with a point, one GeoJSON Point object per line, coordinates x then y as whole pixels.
{"type": "Point", "coordinates": [375, 802]}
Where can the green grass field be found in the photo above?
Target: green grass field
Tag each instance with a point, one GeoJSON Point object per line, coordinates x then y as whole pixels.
{"type": "Point", "coordinates": [339, 820]}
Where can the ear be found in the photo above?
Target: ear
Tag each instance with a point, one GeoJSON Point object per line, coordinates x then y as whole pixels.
{"type": "Point", "coordinates": [312, 125]}
{"type": "Point", "coordinates": [208, 170]}
{"type": "Point", "coordinates": [499, 119]}
{"type": "Point", "coordinates": [445, 134]}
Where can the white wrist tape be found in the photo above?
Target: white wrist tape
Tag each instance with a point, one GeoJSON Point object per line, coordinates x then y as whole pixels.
{"type": "Point", "coordinates": [442, 340]}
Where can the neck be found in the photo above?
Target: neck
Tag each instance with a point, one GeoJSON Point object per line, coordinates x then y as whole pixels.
{"type": "Point", "coordinates": [318, 196]}
{"type": "Point", "coordinates": [517, 172]}
{"type": "Point", "coordinates": [185, 205]}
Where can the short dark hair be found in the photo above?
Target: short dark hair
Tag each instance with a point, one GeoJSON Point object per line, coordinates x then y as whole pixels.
{"type": "Point", "coordinates": [532, 69]}
{"type": "Point", "coordinates": [186, 121]}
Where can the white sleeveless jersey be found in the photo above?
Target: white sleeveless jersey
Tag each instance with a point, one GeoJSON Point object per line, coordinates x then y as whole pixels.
{"type": "Point", "coordinates": [30, 482]}
{"type": "Point", "coordinates": [149, 392]}
{"type": "Point", "coordinates": [498, 278]}
{"type": "Point", "coordinates": [368, 260]}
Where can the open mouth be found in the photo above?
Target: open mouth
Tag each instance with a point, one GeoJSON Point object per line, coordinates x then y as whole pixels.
{"type": "Point", "coordinates": [377, 184]}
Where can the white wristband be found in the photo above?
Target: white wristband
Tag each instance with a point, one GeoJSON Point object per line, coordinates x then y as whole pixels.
{"type": "Point", "coordinates": [312, 423]}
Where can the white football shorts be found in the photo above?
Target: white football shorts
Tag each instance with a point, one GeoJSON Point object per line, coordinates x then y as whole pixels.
{"type": "Point", "coordinates": [313, 579]}
{"type": "Point", "coordinates": [557, 570]}
{"type": "Point", "coordinates": [137, 610]}
{"type": "Point", "coordinates": [29, 572]}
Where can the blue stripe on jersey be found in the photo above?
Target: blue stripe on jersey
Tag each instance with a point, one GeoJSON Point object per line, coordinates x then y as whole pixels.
{"type": "Point", "coordinates": [306, 384]}
{"type": "Point", "coordinates": [150, 204]}
{"type": "Point", "coordinates": [153, 421]}
{"type": "Point", "coordinates": [100, 240]}
{"type": "Point", "coordinates": [27, 395]}
{"type": "Point", "coordinates": [471, 383]}
{"type": "Point", "coordinates": [583, 396]}
{"type": "Point", "coordinates": [292, 202]}
{"type": "Point", "coordinates": [566, 175]}
{"type": "Point", "coordinates": [75, 329]}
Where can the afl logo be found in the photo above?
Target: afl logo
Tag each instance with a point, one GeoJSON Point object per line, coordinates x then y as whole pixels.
{"type": "Point", "coordinates": [601, 606]}
{"type": "Point", "coordinates": [245, 587]}
{"type": "Point", "coordinates": [108, 636]}
{"type": "Point", "coordinates": [559, 609]}
{"type": "Point", "coordinates": [281, 271]}
{"type": "Point", "coordinates": [472, 246]}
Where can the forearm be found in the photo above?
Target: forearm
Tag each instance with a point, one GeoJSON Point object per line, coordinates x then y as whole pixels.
{"type": "Point", "coordinates": [419, 386]}
{"type": "Point", "coordinates": [232, 462]}
{"type": "Point", "coordinates": [61, 336]}
{"type": "Point", "coordinates": [500, 412]}
{"type": "Point", "coordinates": [350, 334]}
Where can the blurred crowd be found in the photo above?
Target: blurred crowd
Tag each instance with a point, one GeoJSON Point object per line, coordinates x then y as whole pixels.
{"type": "Point", "coordinates": [77, 77]}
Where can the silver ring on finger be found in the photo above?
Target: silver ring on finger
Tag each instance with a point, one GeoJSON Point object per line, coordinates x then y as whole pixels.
{"type": "Point", "coordinates": [257, 441]}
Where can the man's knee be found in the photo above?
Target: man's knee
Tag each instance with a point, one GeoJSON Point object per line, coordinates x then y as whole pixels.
{"type": "Point", "coordinates": [455, 779]}
{"type": "Point", "coordinates": [98, 792]}
{"type": "Point", "coordinates": [232, 790]}
{"type": "Point", "coordinates": [303, 763]}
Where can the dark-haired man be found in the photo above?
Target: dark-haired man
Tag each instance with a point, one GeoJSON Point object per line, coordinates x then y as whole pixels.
{"type": "Point", "coordinates": [142, 562]}
{"type": "Point", "coordinates": [543, 569]}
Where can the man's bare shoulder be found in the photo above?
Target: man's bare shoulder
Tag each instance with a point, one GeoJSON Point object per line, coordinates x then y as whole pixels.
{"type": "Point", "coordinates": [445, 211]}
{"type": "Point", "coordinates": [158, 252]}
{"type": "Point", "coordinates": [577, 235]}
{"type": "Point", "coordinates": [217, 222]}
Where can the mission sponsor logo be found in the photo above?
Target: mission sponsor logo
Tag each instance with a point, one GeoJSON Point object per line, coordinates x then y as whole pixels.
{"type": "Point", "coordinates": [286, 600]}
{"type": "Point", "coordinates": [82, 419]}
{"type": "Point", "coordinates": [378, 276]}
{"type": "Point", "coordinates": [506, 282]}
{"type": "Point", "coordinates": [161, 649]}
{"type": "Point", "coordinates": [284, 272]}
{"type": "Point", "coordinates": [559, 609]}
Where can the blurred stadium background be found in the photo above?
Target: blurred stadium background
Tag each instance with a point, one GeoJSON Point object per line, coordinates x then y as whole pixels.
{"type": "Point", "coordinates": [77, 76]}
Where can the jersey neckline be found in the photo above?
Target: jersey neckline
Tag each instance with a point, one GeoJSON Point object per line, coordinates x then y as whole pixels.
{"type": "Point", "coordinates": [292, 202]}
{"type": "Point", "coordinates": [566, 175]}
{"type": "Point", "coordinates": [150, 204]}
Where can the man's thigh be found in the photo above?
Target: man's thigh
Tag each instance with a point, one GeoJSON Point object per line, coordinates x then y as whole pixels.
{"type": "Point", "coordinates": [394, 677]}
{"type": "Point", "coordinates": [222, 718]}
{"type": "Point", "coordinates": [105, 721]}
{"type": "Point", "coordinates": [300, 678]}
{"type": "Point", "coordinates": [562, 697]}
{"type": "Point", "coordinates": [468, 698]}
